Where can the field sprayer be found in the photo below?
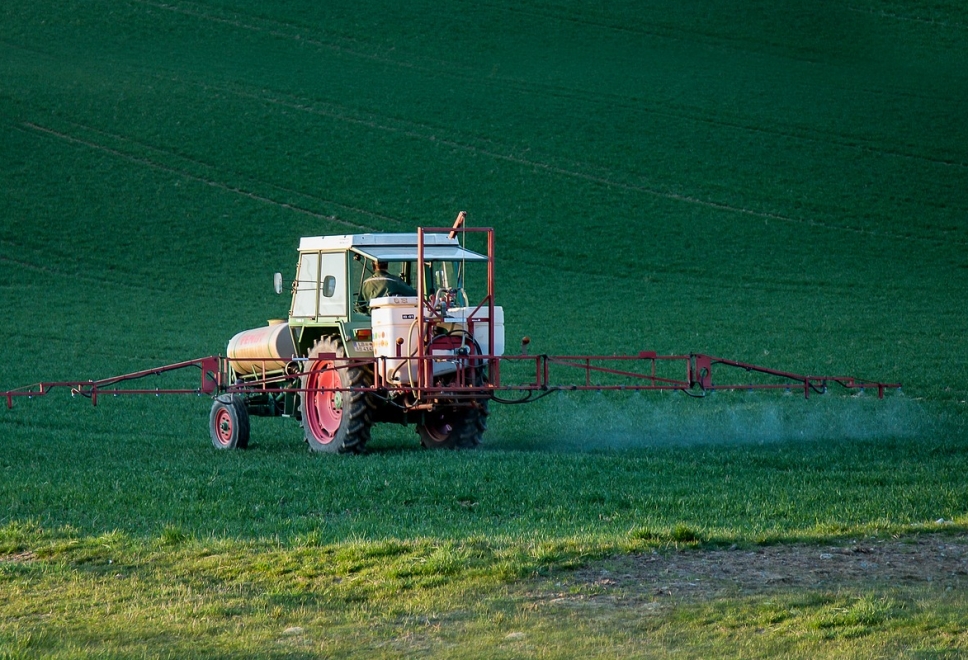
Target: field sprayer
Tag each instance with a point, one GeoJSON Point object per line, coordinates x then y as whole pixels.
{"type": "Point", "coordinates": [425, 353]}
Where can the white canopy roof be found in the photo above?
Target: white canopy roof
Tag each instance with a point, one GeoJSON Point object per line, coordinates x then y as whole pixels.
{"type": "Point", "coordinates": [392, 247]}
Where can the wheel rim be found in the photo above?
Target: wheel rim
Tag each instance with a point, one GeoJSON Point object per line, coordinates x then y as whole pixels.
{"type": "Point", "coordinates": [438, 429]}
{"type": "Point", "coordinates": [325, 408]}
{"type": "Point", "coordinates": [224, 427]}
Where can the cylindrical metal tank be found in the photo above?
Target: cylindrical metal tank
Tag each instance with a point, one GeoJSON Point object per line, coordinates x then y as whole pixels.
{"type": "Point", "coordinates": [260, 351]}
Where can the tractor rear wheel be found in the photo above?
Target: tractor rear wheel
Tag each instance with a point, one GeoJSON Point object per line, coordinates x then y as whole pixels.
{"type": "Point", "coordinates": [228, 422]}
{"type": "Point", "coordinates": [457, 426]}
{"type": "Point", "coordinates": [335, 419]}
{"type": "Point", "coordinates": [454, 427]}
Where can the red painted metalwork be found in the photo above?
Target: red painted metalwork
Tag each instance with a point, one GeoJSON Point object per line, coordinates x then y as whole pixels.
{"type": "Point", "coordinates": [213, 379]}
{"type": "Point", "coordinates": [324, 410]}
{"type": "Point", "coordinates": [427, 316]}
{"type": "Point", "coordinates": [224, 427]}
{"type": "Point", "coordinates": [548, 374]}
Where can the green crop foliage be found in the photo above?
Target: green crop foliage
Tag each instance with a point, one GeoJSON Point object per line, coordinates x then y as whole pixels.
{"type": "Point", "coordinates": [782, 185]}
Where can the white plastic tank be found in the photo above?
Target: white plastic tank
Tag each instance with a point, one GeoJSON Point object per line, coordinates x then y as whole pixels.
{"type": "Point", "coordinates": [476, 321]}
{"type": "Point", "coordinates": [393, 318]}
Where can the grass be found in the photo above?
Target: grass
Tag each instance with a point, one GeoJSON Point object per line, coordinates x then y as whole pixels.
{"type": "Point", "coordinates": [604, 486]}
{"type": "Point", "coordinates": [119, 596]}
{"type": "Point", "coordinates": [784, 186]}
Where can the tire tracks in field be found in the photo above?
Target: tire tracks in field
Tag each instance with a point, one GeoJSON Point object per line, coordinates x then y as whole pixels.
{"type": "Point", "coordinates": [566, 94]}
{"type": "Point", "coordinates": [429, 133]}
{"type": "Point", "coordinates": [637, 105]}
{"type": "Point", "coordinates": [658, 31]}
{"type": "Point", "coordinates": [58, 273]}
{"type": "Point", "coordinates": [217, 169]}
{"type": "Point", "coordinates": [374, 122]}
{"type": "Point", "coordinates": [898, 17]}
{"type": "Point", "coordinates": [284, 30]}
{"type": "Point", "coordinates": [273, 32]}
{"type": "Point", "coordinates": [221, 185]}
{"type": "Point", "coordinates": [424, 131]}
{"type": "Point", "coordinates": [419, 131]}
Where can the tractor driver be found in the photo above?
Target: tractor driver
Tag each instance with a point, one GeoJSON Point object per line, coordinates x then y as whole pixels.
{"type": "Point", "coordinates": [381, 283]}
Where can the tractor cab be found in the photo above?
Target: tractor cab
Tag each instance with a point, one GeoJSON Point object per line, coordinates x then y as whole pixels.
{"type": "Point", "coordinates": [328, 293]}
{"type": "Point", "coordinates": [422, 354]}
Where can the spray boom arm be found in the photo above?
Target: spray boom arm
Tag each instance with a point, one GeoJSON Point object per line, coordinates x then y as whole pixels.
{"type": "Point", "coordinates": [524, 377]}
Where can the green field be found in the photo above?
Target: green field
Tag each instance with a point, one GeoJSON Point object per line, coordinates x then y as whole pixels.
{"type": "Point", "coordinates": [786, 186]}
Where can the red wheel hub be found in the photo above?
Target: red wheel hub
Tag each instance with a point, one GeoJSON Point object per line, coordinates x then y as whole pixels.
{"type": "Point", "coordinates": [224, 427]}
{"type": "Point", "coordinates": [439, 429]}
{"type": "Point", "coordinates": [325, 408]}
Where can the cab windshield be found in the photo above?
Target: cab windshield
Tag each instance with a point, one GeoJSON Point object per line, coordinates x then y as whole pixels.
{"type": "Point", "coordinates": [438, 276]}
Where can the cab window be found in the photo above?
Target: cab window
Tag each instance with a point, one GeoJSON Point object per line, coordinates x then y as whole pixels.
{"type": "Point", "coordinates": [307, 279]}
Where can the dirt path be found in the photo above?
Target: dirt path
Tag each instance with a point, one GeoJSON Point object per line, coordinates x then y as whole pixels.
{"type": "Point", "coordinates": [689, 574]}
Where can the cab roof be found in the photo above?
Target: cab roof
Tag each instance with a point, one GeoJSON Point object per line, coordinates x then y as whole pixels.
{"type": "Point", "coordinates": [392, 247]}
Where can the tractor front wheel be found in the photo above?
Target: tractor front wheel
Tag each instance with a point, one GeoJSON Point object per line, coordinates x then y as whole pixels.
{"type": "Point", "coordinates": [228, 422]}
{"type": "Point", "coordinates": [335, 418]}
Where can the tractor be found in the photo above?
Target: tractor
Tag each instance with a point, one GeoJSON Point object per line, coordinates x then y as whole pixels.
{"type": "Point", "coordinates": [403, 328]}
{"type": "Point", "coordinates": [347, 362]}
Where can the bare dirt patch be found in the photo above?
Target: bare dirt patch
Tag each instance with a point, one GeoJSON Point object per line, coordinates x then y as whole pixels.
{"type": "Point", "coordinates": [938, 560]}
{"type": "Point", "coordinates": [19, 557]}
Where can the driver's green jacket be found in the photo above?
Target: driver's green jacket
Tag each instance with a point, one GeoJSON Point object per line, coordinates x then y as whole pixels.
{"type": "Point", "coordinates": [382, 283]}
